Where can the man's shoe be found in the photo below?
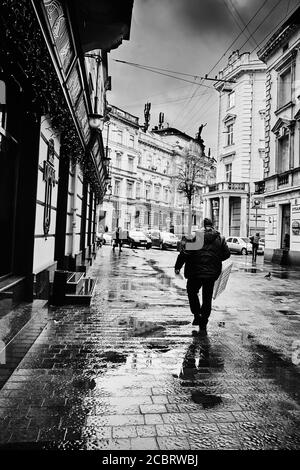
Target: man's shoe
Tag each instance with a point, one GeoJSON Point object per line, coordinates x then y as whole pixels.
{"type": "Point", "coordinates": [196, 320]}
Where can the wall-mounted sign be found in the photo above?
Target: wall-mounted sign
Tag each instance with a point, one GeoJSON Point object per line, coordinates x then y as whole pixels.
{"type": "Point", "coordinates": [296, 227]}
{"type": "Point", "coordinates": [270, 224]}
{"type": "Point", "coordinates": [49, 178]}
{"type": "Point", "coordinates": [295, 209]}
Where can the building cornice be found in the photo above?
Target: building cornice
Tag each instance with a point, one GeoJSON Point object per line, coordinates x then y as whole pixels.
{"type": "Point", "coordinates": [280, 36]}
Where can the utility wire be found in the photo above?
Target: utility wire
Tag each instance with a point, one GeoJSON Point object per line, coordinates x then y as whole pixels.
{"type": "Point", "coordinates": [273, 9]}
{"type": "Point", "coordinates": [235, 19]}
{"type": "Point", "coordinates": [229, 47]}
{"type": "Point", "coordinates": [275, 28]}
{"type": "Point", "coordinates": [150, 67]}
{"type": "Point", "coordinates": [243, 22]}
{"type": "Point", "coordinates": [143, 67]}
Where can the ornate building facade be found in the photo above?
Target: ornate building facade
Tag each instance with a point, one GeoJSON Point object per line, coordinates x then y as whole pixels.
{"type": "Point", "coordinates": [144, 172]}
{"type": "Point", "coordinates": [231, 201]}
{"type": "Point", "coordinates": [53, 80]}
{"type": "Point", "coordinates": [280, 186]}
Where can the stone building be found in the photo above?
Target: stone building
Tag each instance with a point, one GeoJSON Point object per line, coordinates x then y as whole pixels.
{"type": "Point", "coordinates": [53, 80]}
{"type": "Point", "coordinates": [144, 169]}
{"type": "Point", "coordinates": [231, 201]}
{"type": "Point", "coordinates": [280, 186]}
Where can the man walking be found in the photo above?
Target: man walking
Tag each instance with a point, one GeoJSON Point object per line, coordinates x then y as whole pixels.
{"type": "Point", "coordinates": [118, 241]}
{"type": "Point", "coordinates": [255, 243]}
{"type": "Point", "coordinates": [203, 265]}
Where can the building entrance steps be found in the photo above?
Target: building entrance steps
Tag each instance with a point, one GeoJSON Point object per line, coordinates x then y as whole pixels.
{"type": "Point", "coordinates": [72, 288]}
{"type": "Point", "coordinates": [75, 283]}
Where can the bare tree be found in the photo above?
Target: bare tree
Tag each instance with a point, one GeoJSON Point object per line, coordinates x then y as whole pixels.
{"type": "Point", "coordinates": [190, 175]}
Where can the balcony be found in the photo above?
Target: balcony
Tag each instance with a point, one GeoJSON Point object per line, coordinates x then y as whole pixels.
{"type": "Point", "coordinates": [282, 181]}
{"type": "Point", "coordinates": [228, 186]}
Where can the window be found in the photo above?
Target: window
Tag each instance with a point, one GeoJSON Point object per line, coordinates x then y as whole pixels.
{"type": "Point", "coordinates": [156, 193]}
{"type": "Point", "coordinates": [119, 137]}
{"type": "Point", "coordinates": [283, 153]}
{"type": "Point", "coordinates": [231, 99]}
{"type": "Point", "coordinates": [285, 87]}
{"type": "Point", "coordinates": [117, 188]}
{"type": "Point", "coordinates": [229, 134]}
{"type": "Point", "coordinates": [131, 140]}
{"type": "Point", "coordinates": [166, 194]}
{"type": "Point", "coordinates": [228, 172]}
{"type": "Point", "coordinates": [149, 161]}
{"type": "Point", "coordinates": [118, 160]}
{"type": "Point", "coordinates": [129, 189]}
{"type": "Point", "coordinates": [147, 191]}
{"type": "Point", "coordinates": [138, 190]}
{"type": "Point", "coordinates": [130, 163]}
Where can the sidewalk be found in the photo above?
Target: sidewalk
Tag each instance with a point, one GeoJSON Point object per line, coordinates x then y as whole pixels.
{"type": "Point", "coordinates": [128, 373]}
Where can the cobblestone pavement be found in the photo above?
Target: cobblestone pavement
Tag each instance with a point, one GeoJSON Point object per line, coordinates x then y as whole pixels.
{"type": "Point", "coordinates": [129, 372]}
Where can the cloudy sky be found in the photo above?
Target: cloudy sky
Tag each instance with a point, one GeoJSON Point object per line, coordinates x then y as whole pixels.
{"type": "Point", "coordinates": [191, 37]}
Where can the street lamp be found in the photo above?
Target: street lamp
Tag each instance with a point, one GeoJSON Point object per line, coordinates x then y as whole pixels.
{"type": "Point", "coordinates": [95, 120]}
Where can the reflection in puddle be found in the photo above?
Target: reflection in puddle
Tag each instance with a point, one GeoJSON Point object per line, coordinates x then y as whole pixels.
{"type": "Point", "coordinates": [140, 327]}
{"type": "Point", "coordinates": [252, 270]}
{"type": "Point", "coordinates": [271, 365]}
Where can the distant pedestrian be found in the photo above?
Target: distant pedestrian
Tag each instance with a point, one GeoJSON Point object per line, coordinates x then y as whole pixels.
{"type": "Point", "coordinates": [255, 244]}
{"type": "Point", "coordinates": [117, 240]}
{"type": "Point", "coordinates": [203, 265]}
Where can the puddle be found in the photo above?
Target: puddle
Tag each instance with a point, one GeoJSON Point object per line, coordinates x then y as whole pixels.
{"type": "Point", "coordinates": [271, 365]}
{"type": "Point", "coordinates": [206, 400]}
{"type": "Point", "coordinates": [140, 327]}
{"type": "Point", "coordinates": [251, 270]}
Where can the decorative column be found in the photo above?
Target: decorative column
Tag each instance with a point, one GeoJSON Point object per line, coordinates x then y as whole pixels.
{"type": "Point", "coordinates": [225, 228]}
{"type": "Point", "coordinates": [220, 222]}
{"type": "Point", "coordinates": [208, 211]}
{"type": "Point", "coordinates": [243, 219]}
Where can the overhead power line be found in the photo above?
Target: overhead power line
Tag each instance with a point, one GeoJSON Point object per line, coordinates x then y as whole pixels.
{"type": "Point", "coordinates": [223, 55]}
{"type": "Point", "coordinates": [275, 28]}
{"type": "Point", "coordinates": [154, 69]}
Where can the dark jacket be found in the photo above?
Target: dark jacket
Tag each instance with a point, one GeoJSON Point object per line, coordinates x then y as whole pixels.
{"type": "Point", "coordinates": [205, 263]}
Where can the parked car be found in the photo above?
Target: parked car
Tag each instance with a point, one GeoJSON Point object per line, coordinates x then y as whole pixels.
{"type": "Point", "coordinates": [163, 240]}
{"type": "Point", "coordinates": [107, 238]}
{"type": "Point", "coordinates": [240, 245]}
{"type": "Point", "coordinates": [136, 238]}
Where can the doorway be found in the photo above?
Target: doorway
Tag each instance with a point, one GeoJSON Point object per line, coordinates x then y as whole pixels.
{"type": "Point", "coordinates": [285, 226]}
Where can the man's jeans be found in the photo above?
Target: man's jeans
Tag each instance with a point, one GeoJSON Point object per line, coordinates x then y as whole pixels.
{"type": "Point", "coordinates": [193, 286]}
{"type": "Point", "coordinates": [254, 251]}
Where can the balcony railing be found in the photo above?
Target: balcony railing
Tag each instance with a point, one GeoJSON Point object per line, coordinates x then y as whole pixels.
{"type": "Point", "coordinates": [227, 186]}
{"type": "Point", "coordinates": [283, 179]}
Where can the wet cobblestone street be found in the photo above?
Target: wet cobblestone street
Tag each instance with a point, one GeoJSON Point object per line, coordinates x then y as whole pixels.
{"type": "Point", "coordinates": [130, 372]}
